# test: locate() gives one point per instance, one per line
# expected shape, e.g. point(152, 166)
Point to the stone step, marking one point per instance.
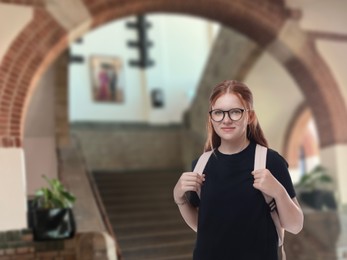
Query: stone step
point(160, 251)
point(148, 222)
point(122, 179)
point(144, 217)
point(143, 213)
point(144, 230)
point(132, 198)
point(159, 238)
point(166, 179)
point(136, 189)
point(122, 217)
point(126, 207)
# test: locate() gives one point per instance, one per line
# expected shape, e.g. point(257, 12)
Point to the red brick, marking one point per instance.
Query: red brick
point(22, 250)
point(47, 255)
point(9, 251)
point(18, 143)
point(25, 257)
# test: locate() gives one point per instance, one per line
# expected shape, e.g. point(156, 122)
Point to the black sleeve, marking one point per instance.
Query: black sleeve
point(278, 166)
point(192, 196)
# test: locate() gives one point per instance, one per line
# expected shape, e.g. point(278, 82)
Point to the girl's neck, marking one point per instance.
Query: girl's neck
point(233, 147)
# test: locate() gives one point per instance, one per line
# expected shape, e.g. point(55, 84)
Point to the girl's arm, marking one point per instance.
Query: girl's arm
point(289, 210)
point(189, 214)
point(189, 181)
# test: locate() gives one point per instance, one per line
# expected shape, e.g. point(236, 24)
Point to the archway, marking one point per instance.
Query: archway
point(262, 21)
point(266, 22)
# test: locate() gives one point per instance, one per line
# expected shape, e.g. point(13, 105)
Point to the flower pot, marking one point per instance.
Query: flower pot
point(53, 224)
point(318, 199)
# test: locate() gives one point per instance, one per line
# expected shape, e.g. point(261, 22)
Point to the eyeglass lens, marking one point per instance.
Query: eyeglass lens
point(234, 114)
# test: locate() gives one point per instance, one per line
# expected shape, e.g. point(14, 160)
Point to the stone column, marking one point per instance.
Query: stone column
point(334, 159)
point(13, 189)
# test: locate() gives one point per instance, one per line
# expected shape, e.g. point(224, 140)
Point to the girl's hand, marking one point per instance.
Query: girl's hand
point(266, 182)
point(189, 181)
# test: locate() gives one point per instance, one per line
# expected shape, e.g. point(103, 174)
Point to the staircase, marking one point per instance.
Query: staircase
point(144, 217)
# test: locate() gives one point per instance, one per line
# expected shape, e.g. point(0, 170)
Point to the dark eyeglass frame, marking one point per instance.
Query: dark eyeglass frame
point(242, 110)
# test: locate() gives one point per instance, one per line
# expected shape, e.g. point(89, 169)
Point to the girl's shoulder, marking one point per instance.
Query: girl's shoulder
point(274, 157)
point(278, 166)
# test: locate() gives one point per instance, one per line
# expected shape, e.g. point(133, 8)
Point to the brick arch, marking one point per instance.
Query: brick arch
point(34, 49)
point(262, 21)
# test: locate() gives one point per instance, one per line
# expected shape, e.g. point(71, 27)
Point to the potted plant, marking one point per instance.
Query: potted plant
point(315, 189)
point(52, 216)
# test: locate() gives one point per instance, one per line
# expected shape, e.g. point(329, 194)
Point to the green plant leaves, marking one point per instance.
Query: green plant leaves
point(315, 179)
point(55, 196)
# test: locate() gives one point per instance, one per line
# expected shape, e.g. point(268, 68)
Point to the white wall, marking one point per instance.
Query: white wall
point(13, 203)
point(39, 134)
point(276, 97)
point(17, 17)
point(322, 15)
point(181, 47)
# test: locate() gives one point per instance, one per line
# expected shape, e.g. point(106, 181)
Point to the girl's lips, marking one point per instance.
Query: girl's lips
point(228, 128)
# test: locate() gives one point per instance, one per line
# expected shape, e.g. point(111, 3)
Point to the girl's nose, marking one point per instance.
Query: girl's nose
point(227, 119)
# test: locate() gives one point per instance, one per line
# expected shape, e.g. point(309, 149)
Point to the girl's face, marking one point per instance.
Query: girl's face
point(227, 129)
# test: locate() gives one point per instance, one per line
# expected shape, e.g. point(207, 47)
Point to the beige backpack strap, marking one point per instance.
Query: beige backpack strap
point(203, 159)
point(260, 163)
point(260, 157)
point(200, 165)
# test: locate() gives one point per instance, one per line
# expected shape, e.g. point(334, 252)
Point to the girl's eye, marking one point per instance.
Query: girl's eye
point(235, 111)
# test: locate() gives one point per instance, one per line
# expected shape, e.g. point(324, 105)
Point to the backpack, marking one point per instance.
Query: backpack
point(259, 163)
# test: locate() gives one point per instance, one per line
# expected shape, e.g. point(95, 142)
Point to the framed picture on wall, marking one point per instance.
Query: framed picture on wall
point(107, 79)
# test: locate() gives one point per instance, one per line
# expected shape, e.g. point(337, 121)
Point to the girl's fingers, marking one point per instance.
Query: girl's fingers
point(190, 188)
point(198, 182)
point(191, 181)
point(193, 177)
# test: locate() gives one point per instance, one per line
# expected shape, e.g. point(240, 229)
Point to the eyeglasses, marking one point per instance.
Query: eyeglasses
point(235, 114)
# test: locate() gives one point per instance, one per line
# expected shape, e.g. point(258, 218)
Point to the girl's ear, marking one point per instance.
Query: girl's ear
point(251, 117)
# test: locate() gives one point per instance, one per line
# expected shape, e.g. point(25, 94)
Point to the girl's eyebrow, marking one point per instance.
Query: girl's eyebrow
point(227, 109)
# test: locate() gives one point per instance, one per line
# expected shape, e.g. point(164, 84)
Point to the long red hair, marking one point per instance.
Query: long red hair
point(254, 131)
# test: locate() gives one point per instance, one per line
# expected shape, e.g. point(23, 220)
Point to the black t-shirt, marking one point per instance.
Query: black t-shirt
point(234, 220)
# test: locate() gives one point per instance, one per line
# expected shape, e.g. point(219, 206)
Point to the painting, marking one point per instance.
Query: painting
point(107, 79)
